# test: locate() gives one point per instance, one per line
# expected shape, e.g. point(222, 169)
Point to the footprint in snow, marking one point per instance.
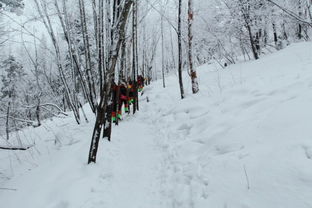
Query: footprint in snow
point(289, 99)
point(251, 103)
point(275, 92)
point(308, 152)
point(184, 126)
point(257, 93)
point(240, 91)
point(61, 204)
point(225, 149)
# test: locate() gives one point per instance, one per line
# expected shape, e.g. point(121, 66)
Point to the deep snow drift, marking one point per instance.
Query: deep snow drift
point(245, 141)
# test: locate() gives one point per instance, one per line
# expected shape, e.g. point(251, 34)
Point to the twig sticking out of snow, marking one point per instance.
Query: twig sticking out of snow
point(8, 189)
point(247, 179)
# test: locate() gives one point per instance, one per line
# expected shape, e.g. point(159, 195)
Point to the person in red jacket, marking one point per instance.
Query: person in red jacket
point(140, 83)
point(123, 99)
point(131, 92)
point(114, 105)
point(120, 98)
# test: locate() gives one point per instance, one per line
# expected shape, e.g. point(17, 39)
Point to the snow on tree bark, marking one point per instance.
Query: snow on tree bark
point(195, 87)
point(105, 98)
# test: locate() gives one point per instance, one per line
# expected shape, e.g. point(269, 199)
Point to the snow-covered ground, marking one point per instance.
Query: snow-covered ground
point(245, 141)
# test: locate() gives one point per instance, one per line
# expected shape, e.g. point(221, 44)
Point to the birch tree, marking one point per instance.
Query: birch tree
point(193, 74)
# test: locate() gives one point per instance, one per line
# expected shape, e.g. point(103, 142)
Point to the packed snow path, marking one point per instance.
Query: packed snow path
point(243, 142)
point(135, 167)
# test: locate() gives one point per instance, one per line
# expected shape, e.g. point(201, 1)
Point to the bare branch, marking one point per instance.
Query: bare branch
point(291, 13)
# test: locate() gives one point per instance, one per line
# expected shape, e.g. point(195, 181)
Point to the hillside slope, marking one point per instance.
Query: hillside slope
point(244, 141)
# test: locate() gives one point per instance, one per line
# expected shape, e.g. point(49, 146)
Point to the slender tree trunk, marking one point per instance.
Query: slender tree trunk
point(83, 112)
point(274, 33)
point(180, 50)
point(7, 126)
point(96, 135)
point(299, 30)
point(162, 52)
point(100, 30)
point(252, 43)
point(195, 87)
point(86, 42)
point(95, 23)
point(38, 111)
point(134, 54)
point(122, 72)
point(172, 51)
point(285, 36)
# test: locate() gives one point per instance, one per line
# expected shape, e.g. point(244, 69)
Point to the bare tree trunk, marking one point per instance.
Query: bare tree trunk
point(96, 134)
point(38, 111)
point(180, 50)
point(134, 55)
point(144, 74)
point(106, 92)
point(172, 51)
point(100, 30)
point(122, 73)
point(274, 33)
point(300, 26)
point(7, 126)
point(162, 52)
point(83, 112)
point(89, 72)
point(95, 23)
point(252, 42)
point(195, 87)
point(285, 36)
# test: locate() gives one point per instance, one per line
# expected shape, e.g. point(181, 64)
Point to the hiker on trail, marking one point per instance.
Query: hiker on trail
point(140, 83)
point(123, 97)
point(131, 92)
point(115, 92)
point(120, 98)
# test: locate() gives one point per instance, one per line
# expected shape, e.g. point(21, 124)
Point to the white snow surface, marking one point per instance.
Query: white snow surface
point(245, 141)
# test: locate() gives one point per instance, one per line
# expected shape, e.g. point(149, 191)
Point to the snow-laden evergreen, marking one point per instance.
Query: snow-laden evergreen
point(244, 141)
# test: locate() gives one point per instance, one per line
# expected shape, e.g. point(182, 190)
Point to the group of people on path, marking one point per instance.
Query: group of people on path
point(124, 95)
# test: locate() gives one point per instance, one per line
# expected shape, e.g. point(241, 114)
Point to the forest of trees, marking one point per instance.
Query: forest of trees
point(88, 45)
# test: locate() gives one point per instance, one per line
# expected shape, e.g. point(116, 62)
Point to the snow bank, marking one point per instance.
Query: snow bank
point(245, 139)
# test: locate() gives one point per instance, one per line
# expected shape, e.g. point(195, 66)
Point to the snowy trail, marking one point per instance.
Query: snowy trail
point(126, 174)
point(135, 168)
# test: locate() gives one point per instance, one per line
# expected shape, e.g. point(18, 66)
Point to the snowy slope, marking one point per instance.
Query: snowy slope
point(243, 142)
